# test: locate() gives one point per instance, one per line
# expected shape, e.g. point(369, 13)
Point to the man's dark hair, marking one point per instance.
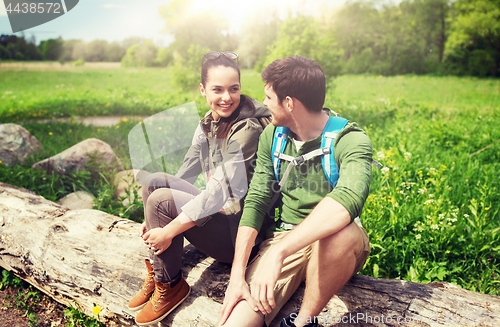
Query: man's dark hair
point(297, 77)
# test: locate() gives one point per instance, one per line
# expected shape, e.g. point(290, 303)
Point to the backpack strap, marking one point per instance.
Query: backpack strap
point(279, 143)
point(333, 127)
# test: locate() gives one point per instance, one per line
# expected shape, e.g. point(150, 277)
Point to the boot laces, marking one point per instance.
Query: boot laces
point(158, 295)
point(149, 280)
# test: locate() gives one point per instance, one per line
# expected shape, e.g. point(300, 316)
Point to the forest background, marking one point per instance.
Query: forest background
point(445, 37)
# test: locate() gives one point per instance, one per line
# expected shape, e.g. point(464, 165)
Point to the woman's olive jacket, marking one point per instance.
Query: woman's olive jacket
point(227, 164)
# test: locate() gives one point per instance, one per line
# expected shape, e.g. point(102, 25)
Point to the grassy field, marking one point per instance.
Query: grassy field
point(433, 211)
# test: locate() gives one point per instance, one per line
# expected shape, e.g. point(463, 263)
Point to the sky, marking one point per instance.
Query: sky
point(116, 20)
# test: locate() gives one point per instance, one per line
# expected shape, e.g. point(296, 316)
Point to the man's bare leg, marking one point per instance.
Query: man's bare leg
point(243, 316)
point(334, 255)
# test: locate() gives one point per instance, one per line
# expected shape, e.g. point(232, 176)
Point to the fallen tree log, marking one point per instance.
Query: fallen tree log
point(92, 258)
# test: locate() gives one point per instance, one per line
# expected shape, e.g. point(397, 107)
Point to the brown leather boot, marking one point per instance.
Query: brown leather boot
point(147, 289)
point(165, 299)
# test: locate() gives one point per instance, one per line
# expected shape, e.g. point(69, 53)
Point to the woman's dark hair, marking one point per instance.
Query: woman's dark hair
point(211, 63)
point(225, 124)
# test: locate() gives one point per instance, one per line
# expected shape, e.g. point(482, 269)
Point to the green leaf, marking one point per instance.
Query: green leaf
point(375, 270)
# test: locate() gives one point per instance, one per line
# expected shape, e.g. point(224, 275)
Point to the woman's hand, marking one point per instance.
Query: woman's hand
point(158, 240)
point(143, 229)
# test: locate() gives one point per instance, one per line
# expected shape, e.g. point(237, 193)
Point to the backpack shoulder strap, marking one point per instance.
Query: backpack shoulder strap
point(332, 128)
point(279, 143)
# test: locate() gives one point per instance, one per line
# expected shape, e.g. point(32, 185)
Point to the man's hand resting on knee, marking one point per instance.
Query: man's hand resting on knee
point(265, 280)
point(237, 290)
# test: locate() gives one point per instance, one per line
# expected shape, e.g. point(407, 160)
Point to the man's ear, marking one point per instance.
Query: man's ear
point(289, 103)
point(202, 90)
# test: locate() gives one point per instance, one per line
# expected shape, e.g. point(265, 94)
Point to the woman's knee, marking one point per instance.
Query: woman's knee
point(160, 207)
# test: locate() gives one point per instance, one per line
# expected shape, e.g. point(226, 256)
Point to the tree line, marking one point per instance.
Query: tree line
point(458, 37)
point(18, 48)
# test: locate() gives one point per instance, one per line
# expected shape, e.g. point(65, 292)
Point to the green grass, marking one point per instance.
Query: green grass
point(53, 94)
point(34, 304)
point(433, 211)
point(440, 91)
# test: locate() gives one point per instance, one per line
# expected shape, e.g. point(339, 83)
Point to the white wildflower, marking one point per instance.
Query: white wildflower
point(421, 191)
point(407, 155)
point(466, 215)
point(434, 226)
point(418, 236)
point(431, 195)
point(385, 170)
point(428, 202)
point(380, 155)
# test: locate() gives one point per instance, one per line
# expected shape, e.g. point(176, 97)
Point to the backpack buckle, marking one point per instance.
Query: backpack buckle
point(298, 161)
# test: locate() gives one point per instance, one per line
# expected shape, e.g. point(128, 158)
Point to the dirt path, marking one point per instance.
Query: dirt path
point(48, 312)
point(95, 121)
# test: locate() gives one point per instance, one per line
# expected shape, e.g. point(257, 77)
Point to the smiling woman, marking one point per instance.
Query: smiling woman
point(223, 149)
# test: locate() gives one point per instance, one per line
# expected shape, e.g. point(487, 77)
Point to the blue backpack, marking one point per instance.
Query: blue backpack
point(334, 125)
point(332, 128)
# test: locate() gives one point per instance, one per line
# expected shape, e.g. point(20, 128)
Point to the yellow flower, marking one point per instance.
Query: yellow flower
point(0, 161)
point(96, 310)
point(50, 133)
point(117, 126)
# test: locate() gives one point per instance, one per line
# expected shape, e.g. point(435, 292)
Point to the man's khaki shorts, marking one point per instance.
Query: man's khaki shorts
point(294, 268)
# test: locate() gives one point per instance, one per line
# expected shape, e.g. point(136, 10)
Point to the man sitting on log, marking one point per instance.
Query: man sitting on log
point(323, 165)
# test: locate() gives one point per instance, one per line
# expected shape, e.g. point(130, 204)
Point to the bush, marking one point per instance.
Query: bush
point(164, 57)
point(4, 53)
point(481, 63)
point(79, 62)
point(143, 55)
point(186, 69)
point(129, 59)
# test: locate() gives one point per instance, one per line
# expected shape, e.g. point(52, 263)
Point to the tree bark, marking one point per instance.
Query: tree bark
point(93, 258)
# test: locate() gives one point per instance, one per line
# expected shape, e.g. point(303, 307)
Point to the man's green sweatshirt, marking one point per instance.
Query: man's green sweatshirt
point(307, 184)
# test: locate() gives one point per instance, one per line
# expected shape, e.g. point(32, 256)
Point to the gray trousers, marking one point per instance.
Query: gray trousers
point(213, 238)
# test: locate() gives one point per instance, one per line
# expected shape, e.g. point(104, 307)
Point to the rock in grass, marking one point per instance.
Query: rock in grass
point(124, 181)
point(17, 144)
point(78, 200)
point(75, 158)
